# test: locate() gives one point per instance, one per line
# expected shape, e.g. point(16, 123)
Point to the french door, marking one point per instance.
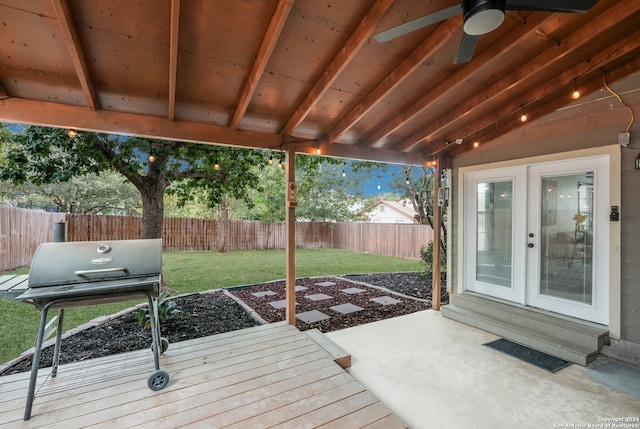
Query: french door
point(538, 235)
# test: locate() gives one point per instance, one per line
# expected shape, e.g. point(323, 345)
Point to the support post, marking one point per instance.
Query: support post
point(437, 215)
point(290, 249)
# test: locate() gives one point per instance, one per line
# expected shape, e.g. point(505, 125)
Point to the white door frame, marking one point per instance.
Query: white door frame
point(525, 272)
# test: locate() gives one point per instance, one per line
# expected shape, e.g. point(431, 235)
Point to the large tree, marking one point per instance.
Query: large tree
point(48, 155)
point(107, 193)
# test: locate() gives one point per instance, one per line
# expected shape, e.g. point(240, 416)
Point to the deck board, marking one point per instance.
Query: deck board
point(268, 376)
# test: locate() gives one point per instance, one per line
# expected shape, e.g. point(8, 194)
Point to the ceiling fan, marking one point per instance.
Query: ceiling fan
point(482, 17)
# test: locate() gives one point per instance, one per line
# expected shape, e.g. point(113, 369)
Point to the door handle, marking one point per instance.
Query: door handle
point(530, 245)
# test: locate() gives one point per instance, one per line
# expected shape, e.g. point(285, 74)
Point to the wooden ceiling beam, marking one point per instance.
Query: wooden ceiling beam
point(558, 84)
point(502, 46)
point(63, 13)
point(593, 82)
point(173, 56)
point(534, 68)
point(280, 15)
point(411, 62)
point(48, 114)
point(17, 110)
point(358, 38)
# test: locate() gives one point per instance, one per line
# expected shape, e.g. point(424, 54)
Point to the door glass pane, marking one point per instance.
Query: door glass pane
point(494, 221)
point(566, 252)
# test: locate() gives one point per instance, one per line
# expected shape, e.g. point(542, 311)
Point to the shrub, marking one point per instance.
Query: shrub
point(426, 254)
point(167, 310)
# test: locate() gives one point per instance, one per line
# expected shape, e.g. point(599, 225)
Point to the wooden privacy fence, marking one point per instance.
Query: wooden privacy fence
point(21, 231)
point(20, 237)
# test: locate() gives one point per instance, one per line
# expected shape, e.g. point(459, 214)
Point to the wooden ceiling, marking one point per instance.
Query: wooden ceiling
point(270, 73)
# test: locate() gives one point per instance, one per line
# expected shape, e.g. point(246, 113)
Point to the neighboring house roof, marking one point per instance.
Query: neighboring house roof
point(397, 212)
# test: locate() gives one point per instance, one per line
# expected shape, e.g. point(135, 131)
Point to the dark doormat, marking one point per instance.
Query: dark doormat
point(529, 355)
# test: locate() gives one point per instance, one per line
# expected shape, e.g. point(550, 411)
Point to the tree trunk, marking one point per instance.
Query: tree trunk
point(223, 224)
point(152, 212)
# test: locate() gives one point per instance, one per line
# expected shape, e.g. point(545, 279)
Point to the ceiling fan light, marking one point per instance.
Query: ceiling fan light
point(482, 17)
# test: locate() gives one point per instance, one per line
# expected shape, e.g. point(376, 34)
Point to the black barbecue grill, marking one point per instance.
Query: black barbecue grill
point(75, 274)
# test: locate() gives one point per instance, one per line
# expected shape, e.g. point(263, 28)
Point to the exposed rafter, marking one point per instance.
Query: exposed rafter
point(198, 71)
point(262, 58)
point(63, 13)
point(533, 69)
point(502, 47)
point(400, 73)
point(173, 56)
point(554, 93)
point(358, 38)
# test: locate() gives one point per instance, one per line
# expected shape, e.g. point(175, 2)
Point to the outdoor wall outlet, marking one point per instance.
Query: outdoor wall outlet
point(623, 139)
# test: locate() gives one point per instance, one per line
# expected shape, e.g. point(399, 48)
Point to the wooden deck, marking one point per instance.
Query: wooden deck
point(267, 376)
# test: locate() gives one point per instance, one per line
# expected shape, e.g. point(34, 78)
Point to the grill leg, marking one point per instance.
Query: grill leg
point(155, 331)
point(56, 350)
point(35, 363)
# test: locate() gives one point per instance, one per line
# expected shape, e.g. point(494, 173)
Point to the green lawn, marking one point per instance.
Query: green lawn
point(187, 272)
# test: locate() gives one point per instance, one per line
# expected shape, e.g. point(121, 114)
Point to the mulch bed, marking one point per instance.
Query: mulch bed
point(215, 312)
point(371, 311)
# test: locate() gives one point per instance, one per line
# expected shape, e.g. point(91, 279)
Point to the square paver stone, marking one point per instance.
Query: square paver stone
point(318, 297)
point(263, 293)
point(385, 300)
point(346, 308)
point(279, 304)
point(312, 316)
point(324, 284)
point(352, 290)
point(301, 288)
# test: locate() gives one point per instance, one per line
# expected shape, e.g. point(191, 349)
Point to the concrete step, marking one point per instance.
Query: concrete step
point(567, 338)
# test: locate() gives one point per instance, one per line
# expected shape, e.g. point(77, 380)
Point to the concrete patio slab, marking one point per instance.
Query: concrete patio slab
point(326, 284)
point(435, 372)
point(301, 288)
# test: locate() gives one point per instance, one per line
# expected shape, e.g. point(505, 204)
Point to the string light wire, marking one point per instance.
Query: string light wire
point(615, 94)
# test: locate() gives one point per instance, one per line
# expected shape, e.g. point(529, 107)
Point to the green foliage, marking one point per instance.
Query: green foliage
point(426, 254)
point(107, 193)
point(167, 310)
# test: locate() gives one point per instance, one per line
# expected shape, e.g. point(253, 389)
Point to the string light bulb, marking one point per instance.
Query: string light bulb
point(378, 185)
point(523, 116)
point(270, 162)
point(476, 144)
point(344, 173)
point(216, 165)
point(279, 163)
point(72, 133)
point(576, 92)
point(407, 181)
point(151, 157)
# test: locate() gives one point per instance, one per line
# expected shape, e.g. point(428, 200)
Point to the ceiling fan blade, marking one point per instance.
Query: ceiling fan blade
point(466, 48)
point(576, 6)
point(417, 24)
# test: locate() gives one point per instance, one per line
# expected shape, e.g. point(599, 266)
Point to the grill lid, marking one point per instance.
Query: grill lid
point(91, 261)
